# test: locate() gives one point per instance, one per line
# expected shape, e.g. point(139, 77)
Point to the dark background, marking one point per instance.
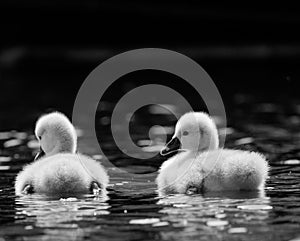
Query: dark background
point(47, 48)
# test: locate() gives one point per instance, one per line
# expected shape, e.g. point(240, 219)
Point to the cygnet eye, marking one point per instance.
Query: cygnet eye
point(40, 137)
point(185, 133)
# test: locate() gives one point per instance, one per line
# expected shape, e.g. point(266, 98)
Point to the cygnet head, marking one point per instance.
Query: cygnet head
point(194, 131)
point(56, 134)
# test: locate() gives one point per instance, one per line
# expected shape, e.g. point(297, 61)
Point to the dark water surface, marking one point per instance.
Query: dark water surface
point(132, 209)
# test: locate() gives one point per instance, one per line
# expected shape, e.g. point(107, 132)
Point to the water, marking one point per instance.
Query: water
point(132, 209)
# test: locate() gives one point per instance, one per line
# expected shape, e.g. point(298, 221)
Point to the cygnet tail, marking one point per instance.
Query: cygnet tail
point(254, 173)
point(64, 179)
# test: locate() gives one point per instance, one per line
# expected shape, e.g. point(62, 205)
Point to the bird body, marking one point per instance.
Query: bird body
point(61, 171)
point(202, 166)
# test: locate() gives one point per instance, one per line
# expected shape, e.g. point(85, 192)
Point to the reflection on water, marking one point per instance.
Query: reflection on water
point(132, 209)
point(58, 217)
point(212, 216)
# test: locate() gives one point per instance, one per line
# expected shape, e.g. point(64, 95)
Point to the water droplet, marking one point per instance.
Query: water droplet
point(255, 207)
point(226, 131)
point(237, 230)
point(216, 223)
point(101, 212)
point(20, 135)
point(220, 215)
point(12, 143)
point(144, 221)
point(243, 141)
point(5, 158)
point(160, 224)
point(69, 199)
point(161, 130)
point(291, 162)
point(267, 107)
point(144, 142)
point(155, 148)
point(182, 205)
point(5, 135)
point(33, 144)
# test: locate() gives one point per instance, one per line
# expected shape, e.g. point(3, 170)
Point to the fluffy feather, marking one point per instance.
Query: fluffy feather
point(61, 171)
point(205, 167)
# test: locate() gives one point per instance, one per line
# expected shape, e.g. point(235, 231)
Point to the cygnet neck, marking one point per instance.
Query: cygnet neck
point(64, 142)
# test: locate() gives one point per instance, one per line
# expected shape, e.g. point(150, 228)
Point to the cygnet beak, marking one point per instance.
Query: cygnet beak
point(173, 145)
point(40, 154)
